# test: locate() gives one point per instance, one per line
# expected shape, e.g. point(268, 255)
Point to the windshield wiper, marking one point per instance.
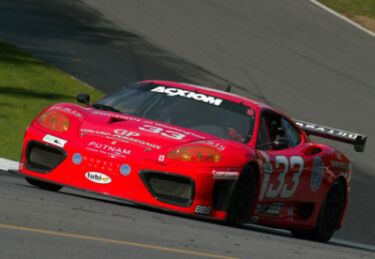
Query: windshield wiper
point(104, 107)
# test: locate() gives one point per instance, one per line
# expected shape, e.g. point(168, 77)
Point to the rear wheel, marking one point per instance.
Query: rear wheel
point(44, 185)
point(329, 216)
point(243, 197)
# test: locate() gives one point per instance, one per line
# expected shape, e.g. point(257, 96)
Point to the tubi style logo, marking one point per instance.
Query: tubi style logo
point(98, 177)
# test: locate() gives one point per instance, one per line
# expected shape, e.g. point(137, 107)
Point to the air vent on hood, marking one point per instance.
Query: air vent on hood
point(114, 120)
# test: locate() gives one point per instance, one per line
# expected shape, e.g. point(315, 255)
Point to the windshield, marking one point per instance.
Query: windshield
point(209, 114)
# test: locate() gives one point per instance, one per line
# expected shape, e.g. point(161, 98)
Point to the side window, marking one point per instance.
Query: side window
point(276, 133)
point(291, 133)
point(264, 140)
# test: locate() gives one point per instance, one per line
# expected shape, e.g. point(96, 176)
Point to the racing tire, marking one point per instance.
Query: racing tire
point(44, 185)
point(329, 216)
point(243, 197)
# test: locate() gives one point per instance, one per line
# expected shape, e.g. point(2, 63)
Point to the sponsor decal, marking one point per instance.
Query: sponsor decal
point(126, 133)
point(340, 165)
point(135, 141)
point(214, 144)
point(225, 174)
point(67, 110)
point(202, 210)
point(98, 178)
point(318, 128)
point(120, 137)
point(108, 149)
point(77, 158)
point(188, 94)
point(125, 170)
point(272, 209)
point(54, 140)
point(96, 132)
point(317, 173)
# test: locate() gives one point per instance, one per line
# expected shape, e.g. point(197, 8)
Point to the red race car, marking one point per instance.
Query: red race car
point(195, 150)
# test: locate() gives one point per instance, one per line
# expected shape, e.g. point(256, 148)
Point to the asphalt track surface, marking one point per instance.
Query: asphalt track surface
point(72, 224)
point(290, 54)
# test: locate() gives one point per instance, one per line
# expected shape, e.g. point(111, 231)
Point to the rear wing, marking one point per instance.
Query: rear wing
point(355, 139)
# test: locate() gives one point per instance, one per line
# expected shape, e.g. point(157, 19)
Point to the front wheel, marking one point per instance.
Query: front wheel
point(329, 216)
point(44, 185)
point(243, 197)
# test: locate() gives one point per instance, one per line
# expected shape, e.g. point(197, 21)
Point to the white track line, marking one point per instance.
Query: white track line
point(342, 17)
point(6, 164)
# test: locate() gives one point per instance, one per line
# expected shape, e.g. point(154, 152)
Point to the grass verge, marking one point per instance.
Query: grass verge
point(360, 11)
point(26, 86)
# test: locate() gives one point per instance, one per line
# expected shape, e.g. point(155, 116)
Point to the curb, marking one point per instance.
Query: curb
point(342, 17)
point(8, 165)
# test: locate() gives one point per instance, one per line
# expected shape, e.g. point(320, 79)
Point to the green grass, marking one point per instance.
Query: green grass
point(352, 7)
point(26, 86)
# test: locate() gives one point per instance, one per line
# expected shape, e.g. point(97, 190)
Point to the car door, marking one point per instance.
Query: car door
point(279, 143)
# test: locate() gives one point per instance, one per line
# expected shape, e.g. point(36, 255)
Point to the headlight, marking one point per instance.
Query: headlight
point(195, 153)
point(54, 120)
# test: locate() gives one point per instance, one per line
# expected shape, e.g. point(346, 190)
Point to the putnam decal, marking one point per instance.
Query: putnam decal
point(188, 94)
point(98, 178)
point(107, 149)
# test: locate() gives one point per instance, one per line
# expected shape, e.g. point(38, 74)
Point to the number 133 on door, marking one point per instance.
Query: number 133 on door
point(285, 168)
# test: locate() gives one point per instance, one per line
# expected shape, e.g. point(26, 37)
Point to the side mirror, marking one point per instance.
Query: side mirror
point(83, 98)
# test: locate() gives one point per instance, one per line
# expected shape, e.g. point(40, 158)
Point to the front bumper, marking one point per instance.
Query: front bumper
point(136, 178)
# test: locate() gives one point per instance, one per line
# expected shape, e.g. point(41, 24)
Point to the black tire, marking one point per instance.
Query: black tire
point(329, 215)
point(44, 185)
point(243, 197)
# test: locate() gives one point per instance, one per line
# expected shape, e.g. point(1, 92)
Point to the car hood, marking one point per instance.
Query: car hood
point(137, 131)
